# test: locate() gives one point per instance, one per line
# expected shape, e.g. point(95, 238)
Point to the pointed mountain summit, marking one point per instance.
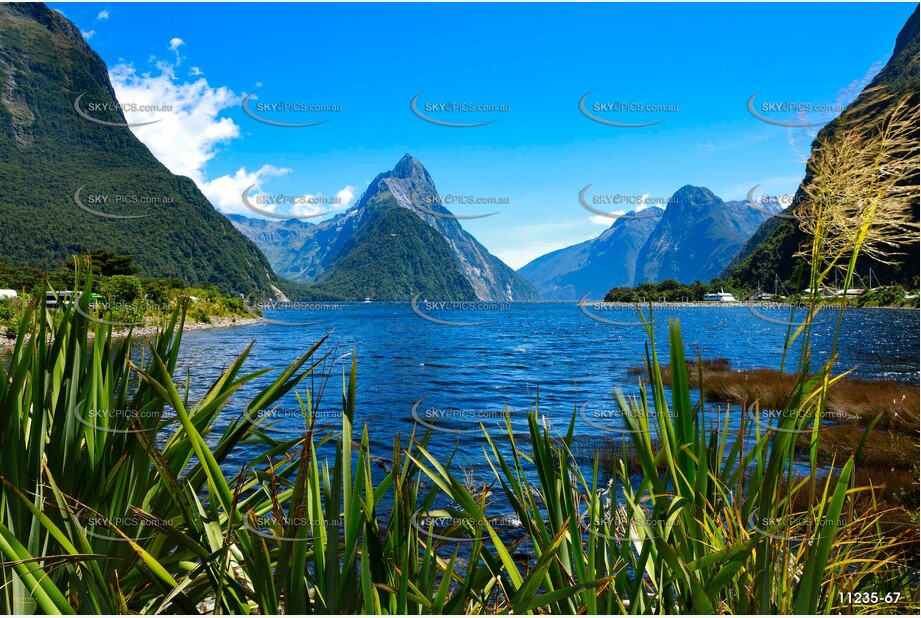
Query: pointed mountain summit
point(330, 252)
point(412, 188)
point(696, 237)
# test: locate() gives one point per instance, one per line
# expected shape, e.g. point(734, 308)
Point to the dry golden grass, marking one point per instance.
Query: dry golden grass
point(882, 450)
point(849, 399)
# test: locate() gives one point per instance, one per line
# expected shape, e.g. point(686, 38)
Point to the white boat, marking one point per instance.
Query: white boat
point(367, 300)
point(719, 297)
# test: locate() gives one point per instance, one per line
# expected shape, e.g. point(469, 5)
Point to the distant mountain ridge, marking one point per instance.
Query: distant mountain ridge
point(314, 253)
point(691, 240)
point(594, 266)
point(48, 152)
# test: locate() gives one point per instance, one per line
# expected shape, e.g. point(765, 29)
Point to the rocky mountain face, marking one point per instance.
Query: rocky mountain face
point(594, 266)
point(770, 252)
point(394, 255)
point(317, 250)
point(49, 154)
point(697, 236)
point(275, 238)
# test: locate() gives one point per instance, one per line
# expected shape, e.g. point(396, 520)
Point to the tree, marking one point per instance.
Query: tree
point(107, 263)
point(122, 288)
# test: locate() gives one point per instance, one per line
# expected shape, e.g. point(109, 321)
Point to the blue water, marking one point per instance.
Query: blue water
point(468, 374)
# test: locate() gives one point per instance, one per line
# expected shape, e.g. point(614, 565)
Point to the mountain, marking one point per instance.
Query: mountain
point(394, 255)
point(314, 252)
point(48, 152)
point(596, 265)
point(692, 240)
point(770, 252)
point(276, 239)
point(696, 237)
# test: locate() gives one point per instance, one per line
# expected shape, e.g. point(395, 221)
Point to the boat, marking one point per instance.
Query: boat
point(367, 300)
point(719, 297)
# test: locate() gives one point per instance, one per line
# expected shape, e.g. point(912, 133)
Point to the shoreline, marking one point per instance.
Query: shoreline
point(150, 330)
point(191, 327)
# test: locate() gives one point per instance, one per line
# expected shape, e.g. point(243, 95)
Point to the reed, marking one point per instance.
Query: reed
point(141, 512)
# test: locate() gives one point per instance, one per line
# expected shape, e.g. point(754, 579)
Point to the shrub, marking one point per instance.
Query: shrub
point(122, 288)
point(7, 310)
point(157, 291)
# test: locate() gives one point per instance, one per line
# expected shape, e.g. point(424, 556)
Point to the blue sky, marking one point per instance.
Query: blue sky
point(706, 60)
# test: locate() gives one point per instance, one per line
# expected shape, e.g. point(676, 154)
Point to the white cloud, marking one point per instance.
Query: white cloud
point(344, 200)
point(644, 203)
point(195, 71)
point(87, 34)
point(192, 132)
point(346, 194)
point(174, 44)
point(187, 136)
point(103, 14)
point(225, 192)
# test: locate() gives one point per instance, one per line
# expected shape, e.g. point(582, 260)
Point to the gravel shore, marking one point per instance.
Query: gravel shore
point(149, 331)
